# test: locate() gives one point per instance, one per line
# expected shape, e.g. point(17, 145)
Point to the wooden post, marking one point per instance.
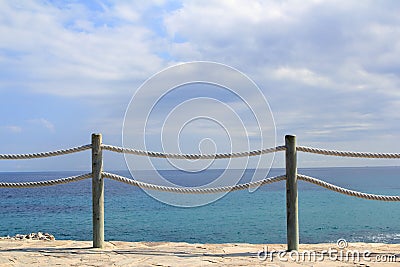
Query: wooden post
point(97, 192)
point(291, 193)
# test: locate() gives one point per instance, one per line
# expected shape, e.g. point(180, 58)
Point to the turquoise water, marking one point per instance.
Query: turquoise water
point(258, 217)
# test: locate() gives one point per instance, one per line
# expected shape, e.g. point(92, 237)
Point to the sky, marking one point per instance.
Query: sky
point(330, 71)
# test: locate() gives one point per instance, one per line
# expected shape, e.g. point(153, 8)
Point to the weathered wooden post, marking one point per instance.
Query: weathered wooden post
point(97, 192)
point(291, 194)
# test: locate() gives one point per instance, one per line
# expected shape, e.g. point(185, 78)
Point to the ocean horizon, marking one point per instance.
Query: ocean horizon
point(239, 217)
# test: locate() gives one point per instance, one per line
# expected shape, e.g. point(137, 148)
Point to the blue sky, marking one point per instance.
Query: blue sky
point(330, 70)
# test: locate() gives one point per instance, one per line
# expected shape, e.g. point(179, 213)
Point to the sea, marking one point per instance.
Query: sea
point(239, 217)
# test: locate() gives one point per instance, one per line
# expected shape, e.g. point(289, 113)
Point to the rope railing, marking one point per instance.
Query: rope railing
point(213, 190)
point(46, 154)
point(346, 191)
point(46, 182)
point(192, 156)
point(194, 190)
point(154, 154)
point(291, 178)
point(348, 153)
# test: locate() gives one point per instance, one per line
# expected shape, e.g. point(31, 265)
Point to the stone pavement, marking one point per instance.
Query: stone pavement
point(117, 253)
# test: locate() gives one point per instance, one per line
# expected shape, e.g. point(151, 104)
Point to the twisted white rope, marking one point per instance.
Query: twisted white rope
point(348, 153)
point(192, 156)
point(347, 191)
point(46, 183)
point(46, 154)
point(188, 190)
point(202, 156)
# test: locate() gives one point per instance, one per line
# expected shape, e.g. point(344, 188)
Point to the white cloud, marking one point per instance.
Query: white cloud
point(13, 128)
point(314, 35)
point(44, 123)
point(301, 75)
point(63, 52)
point(127, 13)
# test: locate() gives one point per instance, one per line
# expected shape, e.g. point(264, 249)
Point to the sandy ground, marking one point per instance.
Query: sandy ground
point(117, 253)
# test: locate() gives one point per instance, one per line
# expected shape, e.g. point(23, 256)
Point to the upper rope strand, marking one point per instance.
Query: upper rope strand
point(192, 156)
point(46, 154)
point(203, 156)
point(348, 153)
